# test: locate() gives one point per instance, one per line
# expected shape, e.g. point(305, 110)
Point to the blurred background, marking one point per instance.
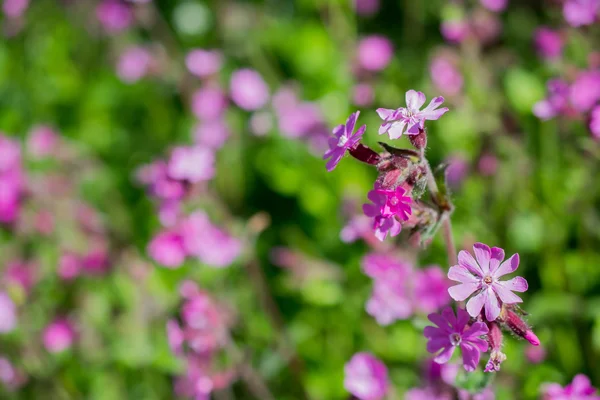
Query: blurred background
point(167, 225)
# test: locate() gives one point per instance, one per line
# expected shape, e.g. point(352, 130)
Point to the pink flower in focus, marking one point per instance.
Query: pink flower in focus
point(167, 249)
point(42, 141)
point(193, 164)
point(212, 134)
point(594, 124)
point(209, 102)
point(382, 223)
point(581, 12)
point(58, 336)
point(482, 277)
point(366, 377)
point(344, 139)
point(204, 63)
point(579, 389)
point(548, 43)
point(556, 102)
point(14, 8)
point(431, 289)
point(396, 203)
point(494, 5)
point(114, 16)
point(445, 76)
point(453, 331)
point(248, 89)
point(374, 52)
point(69, 266)
point(8, 313)
point(584, 93)
point(366, 8)
point(134, 64)
point(411, 118)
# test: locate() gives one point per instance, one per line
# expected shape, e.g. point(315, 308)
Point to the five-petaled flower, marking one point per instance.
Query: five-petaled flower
point(387, 205)
point(344, 139)
point(452, 332)
point(411, 117)
point(481, 277)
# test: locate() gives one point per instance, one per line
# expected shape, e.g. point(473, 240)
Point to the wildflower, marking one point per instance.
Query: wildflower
point(494, 5)
point(69, 266)
point(481, 277)
point(58, 336)
point(134, 64)
point(431, 289)
point(344, 139)
point(455, 30)
point(581, 12)
point(453, 331)
point(445, 75)
point(8, 313)
point(167, 249)
point(584, 92)
point(175, 337)
point(366, 377)
point(204, 63)
point(556, 101)
point(396, 203)
point(580, 388)
point(14, 8)
point(383, 221)
point(374, 52)
point(193, 164)
point(594, 124)
point(411, 118)
point(212, 134)
point(42, 141)
point(248, 89)
point(114, 16)
point(209, 102)
point(548, 43)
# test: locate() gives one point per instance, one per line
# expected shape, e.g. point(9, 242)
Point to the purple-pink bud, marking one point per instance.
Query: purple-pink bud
point(532, 338)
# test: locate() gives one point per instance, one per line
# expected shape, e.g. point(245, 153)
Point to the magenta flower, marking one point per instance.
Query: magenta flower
point(14, 8)
point(594, 124)
point(193, 164)
point(248, 89)
point(42, 141)
point(481, 277)
point(69, 266)
point(344, 139)
point(374, 52)
point(548, 43)
point(58, 336)
point(363, 94)
point(175, 337)
point(204, 63)
point(494, 5)
point(445, 75)
point(580, 388)
point(114, 16)
point(411, 118)
point(366, 377)
point(581, 12)
point(167, 249)
point(452, 332)
point(556, 102)
point(209, 102)
point(455, 30)
point(584, 93)
point(8, 313)
point(383, 221)
point(134, 64)
point(431, 289)
point(212, 134)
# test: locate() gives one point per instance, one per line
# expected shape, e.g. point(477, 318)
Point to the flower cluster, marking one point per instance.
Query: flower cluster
point(580, 388)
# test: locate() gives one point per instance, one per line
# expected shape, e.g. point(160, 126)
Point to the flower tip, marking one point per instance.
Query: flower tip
point(532, 338)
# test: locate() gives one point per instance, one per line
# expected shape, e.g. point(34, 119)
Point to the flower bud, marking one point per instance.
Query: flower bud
point(419, 140)
point(516, 324)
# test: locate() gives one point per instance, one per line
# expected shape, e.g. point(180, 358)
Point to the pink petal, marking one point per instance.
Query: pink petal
point(476, 330)
point(463, 291)
point(470, 355)
point(414, 100)
point(370, 210)
point(476, 303)
point(414, 128)
point(492, 305)
point(496, 259)
point(351, 122)
point(384, 113)
point(449, 316)
point(385, 127)
point(462, 318)
point(396, 129)
point(433, 115)
point(506, 295)
point(466, 260)
point(445, 355)
point(335, 159)
point(507, 266)
point(439, 321)
point(338, 131)
point(479, 343)
point(483, 254)
point(433, 104)
point(459, 273)
point(435, 345)
point(516, 284)
point(432, 332)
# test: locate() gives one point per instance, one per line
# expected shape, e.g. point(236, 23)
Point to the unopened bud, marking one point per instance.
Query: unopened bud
point(419, 140)
point(516, 324)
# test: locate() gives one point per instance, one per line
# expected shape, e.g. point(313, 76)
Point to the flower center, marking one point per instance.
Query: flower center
point(488, 280)
point(455, 339)
point(342, 141)
point(394, 200)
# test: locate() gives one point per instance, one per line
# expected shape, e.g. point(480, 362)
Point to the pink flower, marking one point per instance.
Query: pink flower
point(248, 89)
point(134, 64)
point(167, 249)
point(383, 221)
point(114, 16)
point(494, 5)
point(455, 30)
point(431, 289)
point(366, 8)
point(396, 204)
point(261, 123)
point(209, 102)
point(175, 337)
point(584, 93)
point(193, 164)
point(458, 169)
point(374, 52)
point(42, 141)
point(96, 262)
point(212, 134)
point(581, 12)
point(445, 76)
point(366, 377)
point(69, 266)
point(548, 43)
point(556, 102)
point(410, 118)
point(14, 8)
point(8, 313)
point(58, 336)
point(20, 274)
point(535, 354)
point(452, 332)
point(344, 139)
point(11, 154)
point(204, 63)
point(482, 276)
point(594, 124)
point(580, 388)
point(363, 95)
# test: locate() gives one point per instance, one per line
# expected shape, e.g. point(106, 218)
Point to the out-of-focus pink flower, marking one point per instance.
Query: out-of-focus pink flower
point(366, 8)
point(458, 168)
point(555, 103)
point(584, 93)
point(44, 223)
point(261, 123)
point(166, 248)
point(58, 336)
point(204, 63)
point(357, 227)
point(156, 177)
point(194, 164)
point(248, 89)
point(10, 192)
point(431, 289)
point(411, 118)
point(96, 262)
point(366, 377)
point(482, 277)
point(42, 141)
point(494, 5)
point(344, 139)
point(169, 212)
point(14, 8)
point(134, 63)
point(363, 95)
point(488, 164)
point(212, 134)
point(455, 30)
point(175, 337)
point(581, 12)
point(212, 245)
point(114, 16)
point(374, 52)
point(8, 313)
point(548, 43)
point(11, 154)
point(580, 388)
point(20, 274)
point(69, 266)
point(7, 371)
point(594, 124)
point(453, 331)
point(486, 26)
point(535, 354)
point(445, 75)
point(209, 102)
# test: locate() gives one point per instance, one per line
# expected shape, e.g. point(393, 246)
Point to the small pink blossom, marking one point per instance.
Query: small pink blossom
point(134, 63)
point(212, 134)
point(96, 262)
point(455, 30)
point(453, 331)
point(594, 124)
point(374, 52)
point(431, 289)
point(382, 224)
point(69, 266)
point(209, 102)
point(167, 249)
point(193, 164)
point(548, 43)
point(14, 8)
point(114, 16)
point(580, 388)
point(584, 92)
point(581, 12)
point(411, 118)
point(175, 337)
point(344, 139)
point(21, 274)
point(445, 75)
point(248, 89)
point(8, 313)
point(204, 63)
point(58, 336)
point(366, 377)
point(42, 141)
point(481, 276)
point(555, 103)
point(363, 95)
point(494, 5)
